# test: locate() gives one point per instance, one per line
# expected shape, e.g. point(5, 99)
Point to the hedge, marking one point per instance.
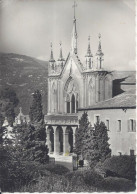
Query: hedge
point(119, 166)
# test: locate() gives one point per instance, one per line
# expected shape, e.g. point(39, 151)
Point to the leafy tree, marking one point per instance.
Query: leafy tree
point(80, 139)
point(35, 135)
point(96, 143)
point(35, 113)
point(8, 102)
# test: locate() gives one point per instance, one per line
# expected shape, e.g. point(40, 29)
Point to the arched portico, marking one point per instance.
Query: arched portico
point(60, 139)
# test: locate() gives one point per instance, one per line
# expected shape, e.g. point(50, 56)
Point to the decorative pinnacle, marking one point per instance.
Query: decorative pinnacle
point(99, 52)
point(89, 54)
point(51, 55)
point(61, 56)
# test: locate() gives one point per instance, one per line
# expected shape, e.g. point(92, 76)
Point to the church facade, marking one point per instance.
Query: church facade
point(74, 87)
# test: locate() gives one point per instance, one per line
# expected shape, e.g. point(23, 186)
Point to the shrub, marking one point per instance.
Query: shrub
point(114, 184)
point(91, 178)
point(119, 166)
point(57, 169)
point(77, 183)
point(52, 183)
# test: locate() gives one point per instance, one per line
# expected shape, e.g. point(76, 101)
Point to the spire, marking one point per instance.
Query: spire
point(89, 54)
point(60, 56)
point(51, 55)
point(74, 32)
point(99, 54)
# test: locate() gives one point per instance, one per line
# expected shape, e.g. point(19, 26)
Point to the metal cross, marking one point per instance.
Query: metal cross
point(51, 45)
point(99, 36)
point(75, 5)
point(60, 43)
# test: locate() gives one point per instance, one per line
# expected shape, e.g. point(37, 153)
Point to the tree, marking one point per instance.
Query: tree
point(8, 103)
point(83, 125)
point(96, 143)
point(35, 113)
point(35, 137)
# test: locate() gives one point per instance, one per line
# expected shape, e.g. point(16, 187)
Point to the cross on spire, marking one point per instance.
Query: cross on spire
point(51, 45)
point(74, 6)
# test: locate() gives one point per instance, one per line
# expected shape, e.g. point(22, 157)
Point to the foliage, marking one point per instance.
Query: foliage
point(114, 184)
point(96, 144)
point(83, 125)
point(120, 166)
point(35, 113)
point(8, 102)
point(57, 169)
point(91, 181)
point(30, 141)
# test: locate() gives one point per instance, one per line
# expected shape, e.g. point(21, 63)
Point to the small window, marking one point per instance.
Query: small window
point(131, 125)
point(119, 125)
point(97, 119)
point(131, 152)
point(107, 124)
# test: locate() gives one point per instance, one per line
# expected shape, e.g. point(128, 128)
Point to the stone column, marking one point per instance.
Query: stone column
point(49, 96)
point(48, 142)
point(56, 141)
point(70, 106)
point(66, 146)
point(97, 89)
point(74, 132)
point(58, 96)
point(65, 105)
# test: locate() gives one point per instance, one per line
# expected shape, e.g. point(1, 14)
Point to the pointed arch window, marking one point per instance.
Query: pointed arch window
point(77, 103)
point(73, 103)
point(68, 103)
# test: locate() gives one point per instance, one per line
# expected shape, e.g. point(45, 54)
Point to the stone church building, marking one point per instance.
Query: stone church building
point(75, 87)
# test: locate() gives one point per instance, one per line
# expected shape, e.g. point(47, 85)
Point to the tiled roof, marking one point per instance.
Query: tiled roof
point(125, 76)
point(124, 100)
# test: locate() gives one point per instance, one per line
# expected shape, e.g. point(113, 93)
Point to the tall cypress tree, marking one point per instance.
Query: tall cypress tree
point(96, 143)
point(83, 125)
point(35, 138)
point(35, 112)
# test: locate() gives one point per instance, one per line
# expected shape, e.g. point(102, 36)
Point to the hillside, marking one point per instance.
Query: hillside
point(24, 74)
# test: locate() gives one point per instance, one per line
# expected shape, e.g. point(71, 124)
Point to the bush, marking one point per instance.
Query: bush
point(91, 181)
point(57, 169)
point(114, 184)
point(52, 183)
point(119, 166)
point(91, 178)
point(77, 183)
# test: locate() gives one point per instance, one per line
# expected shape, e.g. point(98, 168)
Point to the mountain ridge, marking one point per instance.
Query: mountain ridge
point(25, 75)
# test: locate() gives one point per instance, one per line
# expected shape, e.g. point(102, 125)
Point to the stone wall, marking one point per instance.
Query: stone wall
point(120, 141)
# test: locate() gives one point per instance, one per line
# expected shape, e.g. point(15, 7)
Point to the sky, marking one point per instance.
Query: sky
point(29, 26)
